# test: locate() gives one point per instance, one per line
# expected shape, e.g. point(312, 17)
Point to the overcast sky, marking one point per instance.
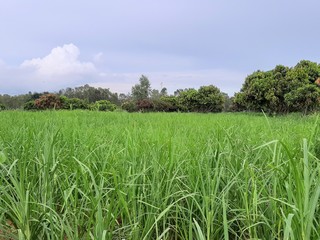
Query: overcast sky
point(48, 45)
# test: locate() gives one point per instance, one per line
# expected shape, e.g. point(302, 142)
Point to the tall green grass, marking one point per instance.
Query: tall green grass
point(93, 175)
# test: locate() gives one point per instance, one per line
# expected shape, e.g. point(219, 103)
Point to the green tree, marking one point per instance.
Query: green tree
point(2, 107)
point(30, 106)
point(142, 90)
point(279, 90)
point(129, 106)
point(104, 105)
point(254, 91)
point(210, 99)
point(304, 99)
point(312, 69)
point(188, 100)
point(90, 94)
point(73, 103)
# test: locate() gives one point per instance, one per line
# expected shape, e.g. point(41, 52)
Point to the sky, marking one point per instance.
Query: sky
point(49, 45)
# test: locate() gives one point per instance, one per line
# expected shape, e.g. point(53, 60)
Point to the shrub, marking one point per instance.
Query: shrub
point(48, 101)
point(73, 103)
point(104, 105)
point(145, 105)
point(129, 106)
point(2, 107)
point(30, 105)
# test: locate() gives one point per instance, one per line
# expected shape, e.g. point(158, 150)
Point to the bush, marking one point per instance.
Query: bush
point(30, 105)
point(170, 103)
point(48, 101)
point(104, 105)
point(145, 105)
point(73, 103)
point(2, 107)
point(129, 106)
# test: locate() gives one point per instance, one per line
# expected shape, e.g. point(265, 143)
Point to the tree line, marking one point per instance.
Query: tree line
point(281, 90)
point(277, 91)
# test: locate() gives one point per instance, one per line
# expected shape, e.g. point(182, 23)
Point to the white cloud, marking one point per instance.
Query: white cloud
point(62, 68)
point(98, 57)
point(61, 61)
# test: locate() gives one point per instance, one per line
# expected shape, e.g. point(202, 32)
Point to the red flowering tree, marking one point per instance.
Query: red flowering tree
point(48, 101)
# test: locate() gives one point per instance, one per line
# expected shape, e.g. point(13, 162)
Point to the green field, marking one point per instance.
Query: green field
point(95, 175)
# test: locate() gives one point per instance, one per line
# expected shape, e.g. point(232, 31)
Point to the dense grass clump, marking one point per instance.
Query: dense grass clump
point(95, 175)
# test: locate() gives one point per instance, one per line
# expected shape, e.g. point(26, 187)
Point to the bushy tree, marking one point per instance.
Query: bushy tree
point(188, 100)
point(30, 106)
point(90, 94)
point(145, 105)
point(48, 101)
point(312, 69)
point(304, 99)
point(142, 90)
point(168, 104)
point(275, 91)
point(206, 99)
point(2, 107)
point(129, 106)
point(210, 99)
point(104, 105)
point(73, 103)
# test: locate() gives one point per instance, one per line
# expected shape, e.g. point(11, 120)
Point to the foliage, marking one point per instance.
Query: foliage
point(145, 105)
point(2, 107)
point(30, 105)
point(142, 90)
point(278, 90)
point(210, 99)
point(206, 99)
point(14, 102)
point(73, 103)
point(48, 101)
point(312, 70)
point(156, 95)
point(104, 105)
point(90, 94)
point(188, 100)
point(304, 99)
point(129, 106)
point(167, 104)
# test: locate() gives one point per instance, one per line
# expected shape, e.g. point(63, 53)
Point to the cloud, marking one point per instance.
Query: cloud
point(60, 62)
point(98, 57)
point(59, 69)
point(63, 68)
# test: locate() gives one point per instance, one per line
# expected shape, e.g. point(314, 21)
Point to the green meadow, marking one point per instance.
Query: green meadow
point(115, 175)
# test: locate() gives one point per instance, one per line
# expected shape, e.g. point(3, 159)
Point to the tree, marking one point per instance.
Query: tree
point(188, 100)
point(167, 104)
point(73, 103)
point(48, 101)
point(104, 105)
point(304, 99)
point(312, 69)
point(210, 99)
point(30, 106)
point(145, 105)
point(2, 107)
point(279, 90)
point(206, 99)
point(142, 90)
point(129, 106)
point(90, 94)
